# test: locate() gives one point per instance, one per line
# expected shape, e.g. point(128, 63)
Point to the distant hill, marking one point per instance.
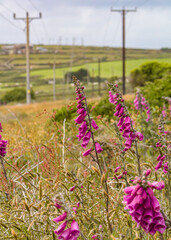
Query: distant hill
point(67, 58)
point(42, 56)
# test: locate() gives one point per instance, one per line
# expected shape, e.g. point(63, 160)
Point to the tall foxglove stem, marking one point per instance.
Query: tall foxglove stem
point(92, 134)
point(84, 112)
point(122, 113)
point(97, 160)
point(4, 170)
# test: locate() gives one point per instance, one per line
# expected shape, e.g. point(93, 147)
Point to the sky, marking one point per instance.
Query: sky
point(88, 22)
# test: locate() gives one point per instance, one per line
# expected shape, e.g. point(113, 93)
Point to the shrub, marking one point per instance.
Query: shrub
point(80, 74)
point(148, 72)
point(105, 109)
point(154, 91)
point(64, 113)
point(15, 95)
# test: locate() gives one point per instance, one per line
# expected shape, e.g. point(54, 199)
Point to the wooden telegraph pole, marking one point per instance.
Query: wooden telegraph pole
point(123, 12)
point(27, 20)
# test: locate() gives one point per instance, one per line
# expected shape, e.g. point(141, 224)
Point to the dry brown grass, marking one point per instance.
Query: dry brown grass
point(30, 120)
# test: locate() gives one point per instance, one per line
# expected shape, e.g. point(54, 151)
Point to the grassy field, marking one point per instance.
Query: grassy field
point(108, 69)
point(12, 67)
point(30, 120)
point(78, 54)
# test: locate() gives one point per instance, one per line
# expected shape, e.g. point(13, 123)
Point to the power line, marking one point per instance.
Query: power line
point(106, 29)
point(35, 32)
point(45, 30)
point(123, 12)
point(6, 8)
point(116, 1)
point(42, 21)
point(130, 23)
point(115, 31)
point(129, 2)
point(34, 6)
point(143, 3)
point(10, 21)
point(21, 6)
point(27, 20)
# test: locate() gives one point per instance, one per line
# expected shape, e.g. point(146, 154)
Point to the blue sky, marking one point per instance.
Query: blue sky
point(90, 20)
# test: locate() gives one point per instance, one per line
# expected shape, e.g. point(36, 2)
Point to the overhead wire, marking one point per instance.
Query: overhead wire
point(115, 32)
point(11, 12)
point(140, 5)
point(10, 21)
point(106, 28)
point(35, 32)
point(115, 3)
point(129, 25)
point(42, 21)
point(33, 5)
point(130, 22)
point(108, 21)
point(20, 6)
point(45, 30)
point(7, 8)
point(128, 3)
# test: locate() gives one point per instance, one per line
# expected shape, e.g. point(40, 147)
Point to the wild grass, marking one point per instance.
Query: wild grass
point(41, 167)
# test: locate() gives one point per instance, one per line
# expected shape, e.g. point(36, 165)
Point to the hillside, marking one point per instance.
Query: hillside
point(67, 58)
point(42, 56)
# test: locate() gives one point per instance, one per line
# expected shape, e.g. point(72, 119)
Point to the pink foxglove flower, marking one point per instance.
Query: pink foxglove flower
point(141, 104)
point(61, 228)
point(120, 176)
point(74, 209)
point(165, 167)
point(160, 163)
point(60, 218)
point(81, 118)
point(139, 136)
point(158, 144)
point(94, 125)
point(163, 157)
point(78, 204)
point(98, 147)
point(65, 235)
point(125, 122)
point(147, 172)
point(86, 153)
point(164, 114)
point(159, 157)
point(87, 125)
point(144, 207)
point(75, 232)
point(3, 144)
point(57, 205)
point(82, 130)
point(158, 166)
point(86, 139)
point(116, 169)
point(72, 189)
point(157, 185)
point(95, 237)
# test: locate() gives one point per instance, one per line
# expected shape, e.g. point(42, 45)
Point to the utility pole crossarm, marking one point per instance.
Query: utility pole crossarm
point(27, 20)
point(30, 18)
point(123, 12)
